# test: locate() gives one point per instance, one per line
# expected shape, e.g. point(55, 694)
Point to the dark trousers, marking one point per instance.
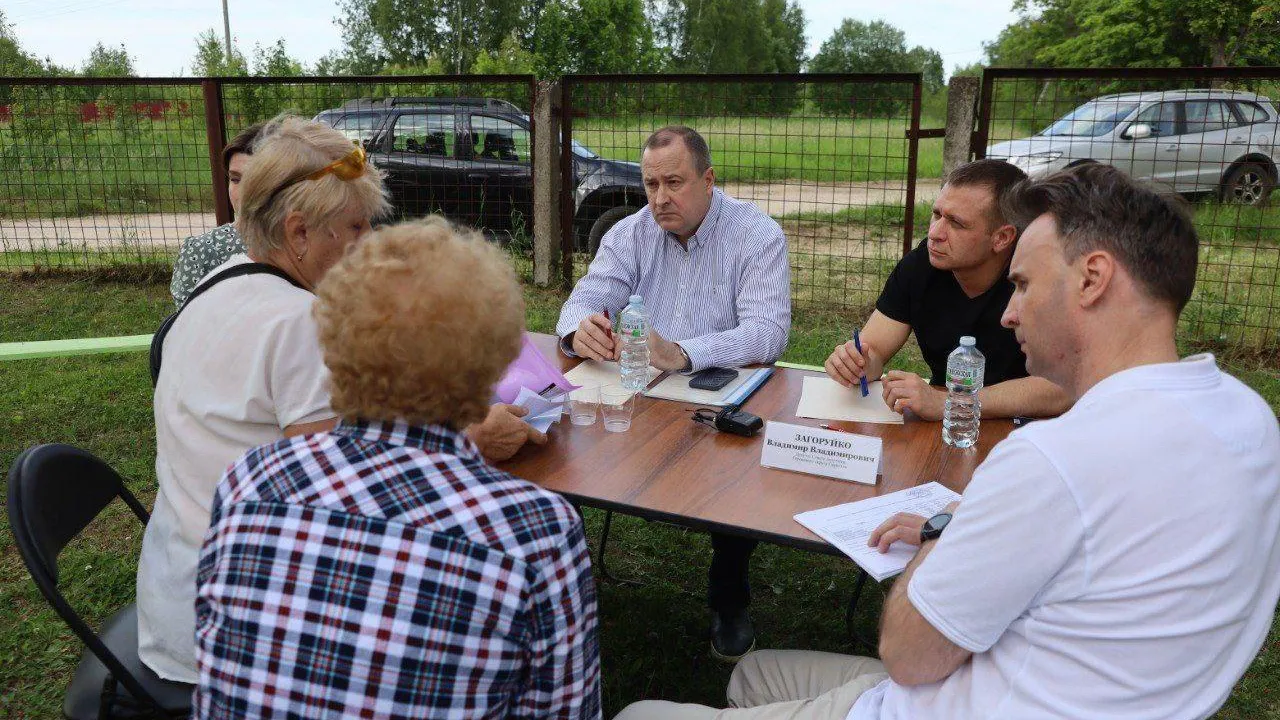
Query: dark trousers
point(728, 590)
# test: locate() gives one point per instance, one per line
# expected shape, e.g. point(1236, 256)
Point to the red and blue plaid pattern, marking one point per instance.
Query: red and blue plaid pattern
point(386, 571)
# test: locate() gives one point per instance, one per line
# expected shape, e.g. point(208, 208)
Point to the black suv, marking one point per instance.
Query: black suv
point(469, 159)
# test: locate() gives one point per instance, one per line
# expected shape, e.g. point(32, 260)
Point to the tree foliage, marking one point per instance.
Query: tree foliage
point(106, 61)
point(873, 47)
point(211, 58)
point(14, 60)
point(1139, 33)
point(412, 32)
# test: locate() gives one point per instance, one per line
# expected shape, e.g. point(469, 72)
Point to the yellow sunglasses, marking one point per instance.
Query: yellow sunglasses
point(346, 168)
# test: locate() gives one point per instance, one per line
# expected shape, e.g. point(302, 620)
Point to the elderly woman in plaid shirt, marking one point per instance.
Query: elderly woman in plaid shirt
point(384, 569)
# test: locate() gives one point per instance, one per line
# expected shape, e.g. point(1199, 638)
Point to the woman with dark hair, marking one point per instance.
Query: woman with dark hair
point(202, 253)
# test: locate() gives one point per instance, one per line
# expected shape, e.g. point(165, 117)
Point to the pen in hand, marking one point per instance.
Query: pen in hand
point(857, 343)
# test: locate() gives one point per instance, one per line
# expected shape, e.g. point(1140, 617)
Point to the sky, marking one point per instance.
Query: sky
point(160, 34)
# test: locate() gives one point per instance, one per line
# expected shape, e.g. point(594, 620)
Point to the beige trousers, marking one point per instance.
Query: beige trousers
point(778, 684)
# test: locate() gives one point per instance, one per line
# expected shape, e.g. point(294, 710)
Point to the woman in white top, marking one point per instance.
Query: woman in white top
point(241, 365)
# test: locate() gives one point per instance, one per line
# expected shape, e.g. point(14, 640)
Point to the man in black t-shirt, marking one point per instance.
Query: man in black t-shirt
point(955, 283)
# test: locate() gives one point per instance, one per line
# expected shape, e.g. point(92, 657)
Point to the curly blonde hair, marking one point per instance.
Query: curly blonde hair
point(418, 322)
point(289, 147)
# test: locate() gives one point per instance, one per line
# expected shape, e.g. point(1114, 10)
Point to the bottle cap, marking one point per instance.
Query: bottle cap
point(966, 341)
point(637, 300)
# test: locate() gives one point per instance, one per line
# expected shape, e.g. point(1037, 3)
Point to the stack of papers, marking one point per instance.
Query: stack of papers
point(542, 411)
point(848, 526)
point(825, 399)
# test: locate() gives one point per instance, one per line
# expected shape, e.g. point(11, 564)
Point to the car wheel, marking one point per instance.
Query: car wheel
point(607, 219)
point(1247, 184)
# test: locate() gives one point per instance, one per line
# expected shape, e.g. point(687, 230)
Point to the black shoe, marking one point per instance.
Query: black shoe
point(732, 635)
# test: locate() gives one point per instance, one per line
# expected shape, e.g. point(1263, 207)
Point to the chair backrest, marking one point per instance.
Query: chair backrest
point(55, 491)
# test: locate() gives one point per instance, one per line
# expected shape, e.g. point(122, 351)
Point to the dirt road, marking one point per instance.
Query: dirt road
point(158, 232)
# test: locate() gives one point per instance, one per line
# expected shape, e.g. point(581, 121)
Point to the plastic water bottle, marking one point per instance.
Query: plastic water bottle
point(633, 331)
point(963, 411)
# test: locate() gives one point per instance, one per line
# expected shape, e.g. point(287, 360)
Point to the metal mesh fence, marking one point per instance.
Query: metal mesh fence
point(1209, 136)
point(830, 158)
point(99, 173)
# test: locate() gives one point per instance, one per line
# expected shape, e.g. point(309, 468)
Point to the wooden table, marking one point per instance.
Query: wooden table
point(669, 468)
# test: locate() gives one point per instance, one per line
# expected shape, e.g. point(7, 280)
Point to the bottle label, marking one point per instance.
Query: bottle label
point(966, 377)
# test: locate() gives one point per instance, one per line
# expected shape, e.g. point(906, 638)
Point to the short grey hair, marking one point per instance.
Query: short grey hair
point(693, 142)
point(287, 148)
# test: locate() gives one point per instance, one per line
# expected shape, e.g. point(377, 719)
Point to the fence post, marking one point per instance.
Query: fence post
point(216, 134)
point(962, 104)
point(546, 183)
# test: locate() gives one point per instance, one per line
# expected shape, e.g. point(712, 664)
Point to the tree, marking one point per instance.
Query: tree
point(407, 32)
point(106, 61)
point(1139, 33)
point(274, 61)
point(15, 61)
point(211, 59)
point(592, 36)
point(508, 59)
point(874, 47)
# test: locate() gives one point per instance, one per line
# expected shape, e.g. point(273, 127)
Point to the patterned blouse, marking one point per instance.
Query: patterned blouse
point(199, 255)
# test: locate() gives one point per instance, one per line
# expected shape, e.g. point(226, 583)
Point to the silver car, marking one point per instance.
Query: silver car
point(1183, 141)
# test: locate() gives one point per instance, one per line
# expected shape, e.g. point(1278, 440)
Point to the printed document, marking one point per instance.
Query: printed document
point(848, 526)
point(825, 399)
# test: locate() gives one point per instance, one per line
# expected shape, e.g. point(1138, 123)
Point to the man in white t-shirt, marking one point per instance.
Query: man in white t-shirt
point(1121, 561)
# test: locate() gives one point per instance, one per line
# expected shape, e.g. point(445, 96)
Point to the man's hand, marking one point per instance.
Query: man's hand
point(908, 391)
point(664, 354)
point(594, 339)
point(902, 526)
point(502, 432)
point(847, 366)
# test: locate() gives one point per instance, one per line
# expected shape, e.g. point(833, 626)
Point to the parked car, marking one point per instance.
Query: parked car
point(1185, 141)
point(470, 160)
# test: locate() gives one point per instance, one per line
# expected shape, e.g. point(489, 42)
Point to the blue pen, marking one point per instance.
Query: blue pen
point(858, 344)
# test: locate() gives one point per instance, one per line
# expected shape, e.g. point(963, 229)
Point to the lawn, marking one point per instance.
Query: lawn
point(653, 635)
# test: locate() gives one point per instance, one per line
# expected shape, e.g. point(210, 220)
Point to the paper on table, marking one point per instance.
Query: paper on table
point(542, 412)
point(848, 526)
point(605, 374)
point(825, 399)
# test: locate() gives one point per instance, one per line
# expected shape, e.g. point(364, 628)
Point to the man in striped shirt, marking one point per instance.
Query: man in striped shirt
point(714, 275)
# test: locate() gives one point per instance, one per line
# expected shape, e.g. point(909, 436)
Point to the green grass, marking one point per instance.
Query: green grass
point(759, 149)
point(653, 636)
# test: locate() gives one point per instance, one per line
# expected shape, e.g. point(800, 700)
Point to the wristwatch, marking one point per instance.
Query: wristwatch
point(933, 527)
point(688, 364)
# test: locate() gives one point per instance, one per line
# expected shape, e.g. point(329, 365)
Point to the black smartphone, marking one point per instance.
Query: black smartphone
point(712, 378)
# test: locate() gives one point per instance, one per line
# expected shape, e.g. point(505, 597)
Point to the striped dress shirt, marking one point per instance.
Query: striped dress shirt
point(726, 299)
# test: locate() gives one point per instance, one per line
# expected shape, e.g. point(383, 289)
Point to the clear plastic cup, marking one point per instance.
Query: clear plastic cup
point(616, 405)
point(582, 404)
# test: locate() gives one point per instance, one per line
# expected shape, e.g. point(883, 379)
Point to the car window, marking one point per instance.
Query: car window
point(1094, 118)
point(1250, 112)
point(499, 139)
point(424, 134)
point(1206, 116)
point(1162, 117)
point(357, 127)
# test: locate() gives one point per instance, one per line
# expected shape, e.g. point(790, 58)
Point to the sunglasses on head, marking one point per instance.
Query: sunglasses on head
point(346, 168)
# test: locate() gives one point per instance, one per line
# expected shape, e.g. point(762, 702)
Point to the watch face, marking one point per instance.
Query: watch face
point(932, 527)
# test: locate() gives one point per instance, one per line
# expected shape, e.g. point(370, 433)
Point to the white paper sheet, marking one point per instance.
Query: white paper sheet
point(604, 374)
point(542, 412)
point(825, 399)
point(848, 526)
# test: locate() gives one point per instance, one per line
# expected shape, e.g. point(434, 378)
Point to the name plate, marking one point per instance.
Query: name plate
point(830, 453)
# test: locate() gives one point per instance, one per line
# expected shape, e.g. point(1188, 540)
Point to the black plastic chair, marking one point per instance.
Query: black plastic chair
point(55, 491)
